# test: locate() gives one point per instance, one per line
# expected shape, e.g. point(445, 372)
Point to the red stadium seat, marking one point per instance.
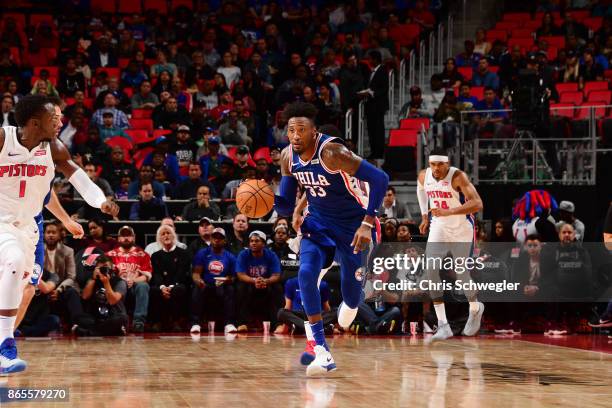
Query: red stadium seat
point(123, 63)
point(562, 109)
point(125, 145)
point(403, 137)
point(595, 86)
point(518, 17)
point(493, 35)
point(521, 33)
point(19, 18)
point(104, 6)
point(579, 15)
point(142, 113)
point(593, 23)
point(478, 92)
point(36, 19)
point(130, 7)
point(533, 25)
point(111, 72)
point(182, 3)
point(525, 43)
point(15, 55)
point(608, 74)
point(139, 136)
point(599, 96)
point(555, 14)
point(88, 103)
point(556, 41)
point(494, 69)
point(584, 111)
point(53, 71)
point(262, 153)
point(574, 97)
point(141, 155)
point(467, 72)
point(157, 133)
point(146, 124)
point(414, 123)
point(128, 91)
point(231, 152)
point(405, 34)
point(506, 25)
point(161, 6)
point(565, 87)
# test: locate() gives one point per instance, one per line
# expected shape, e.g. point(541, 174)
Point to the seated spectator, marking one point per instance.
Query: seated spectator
point(162, 64)
point(483, 77)
point(258, 287)
point(102, 311)
point(59, 259)
point(229, 70)
point(207, 95)
point(161, 158)
point(330, 110)
point(133, 75)
point(226, 104)
point(451, 77)
point(237, 239)
point(489, 121)
point(198, 70)
point(70, 80)
point(234, 132)
point(120, 120)
point(214, 271)
point(244, 116)
point(38, 320)
point(101, 54)
point(211, 162)
point(389, 230)
point(390, 208)
point(109, 130)
point(148, 207)
point(434, 99)
point(91, 171)
point(188, 188)
point(571, 71)
point(79, 103)
point(468, 58)
point(202, 207)
point(155, 246)
point(164, 84)
point(448, 112)
point(567, 216)
point(184, 148)
point(121, 192)
point(292, 318)
point(226, 175)
point(548, 27)
point(288, 259)
point(481, 45)
point(144, 99)
point(205, 228)
point(43, 85)
point(403, 233)
point(171, 115)
point(170, 281)
point(145, 175)
point(572, 27)
point(589, 70)
point(465, 100)
point(244, 162)
point(229, 192)
point(118, 168)
point(98, 236)
point(502, 231)
point(134, 267)
point(114, 88)
point(416, 107)
point(75, 129)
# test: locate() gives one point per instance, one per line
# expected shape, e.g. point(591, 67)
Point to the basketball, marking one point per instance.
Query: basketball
point(254, 198)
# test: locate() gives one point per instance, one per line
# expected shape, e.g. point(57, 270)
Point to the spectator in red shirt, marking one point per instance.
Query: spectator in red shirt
point(134, 266)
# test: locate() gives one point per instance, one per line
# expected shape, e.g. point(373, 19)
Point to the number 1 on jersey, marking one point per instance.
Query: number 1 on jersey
point(22, 187)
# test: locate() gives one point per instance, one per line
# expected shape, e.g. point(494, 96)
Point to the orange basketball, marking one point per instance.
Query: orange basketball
point(254, 198)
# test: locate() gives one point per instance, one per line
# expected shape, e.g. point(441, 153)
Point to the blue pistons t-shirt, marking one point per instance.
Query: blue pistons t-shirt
point(264, 266)
point(215, 265)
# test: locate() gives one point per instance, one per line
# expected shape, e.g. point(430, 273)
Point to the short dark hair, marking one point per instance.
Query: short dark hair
point(376, 56)
point(300, 110)
point(102, 259)
point(53, 223)
point(108, 114)
point(391, 188)
point(30, 106)
point(146, 184)
point(439, 151)
point(488, 88)
point(533, 237)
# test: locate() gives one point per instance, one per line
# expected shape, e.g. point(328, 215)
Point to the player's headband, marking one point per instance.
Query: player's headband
point(438, 158)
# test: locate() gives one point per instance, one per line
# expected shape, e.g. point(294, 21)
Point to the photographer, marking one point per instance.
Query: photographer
point(101, 312)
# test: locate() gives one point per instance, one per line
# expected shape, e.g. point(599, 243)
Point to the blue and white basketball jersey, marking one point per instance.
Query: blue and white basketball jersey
point(333, 196)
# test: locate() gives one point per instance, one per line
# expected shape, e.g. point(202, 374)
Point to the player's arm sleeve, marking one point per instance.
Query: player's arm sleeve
point(284, 202)
point(90, 192)
point(422, 197)
point(378, 181)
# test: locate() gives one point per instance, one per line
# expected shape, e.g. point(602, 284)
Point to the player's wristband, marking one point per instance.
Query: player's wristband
point(367, 224)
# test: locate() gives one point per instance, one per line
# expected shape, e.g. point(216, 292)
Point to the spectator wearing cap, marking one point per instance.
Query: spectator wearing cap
point(205, 228)
point(145, 175)
point(234, 132)
point(184, 148)
point(567, 216)
point(483, 77)
point(207, 133)
point(211, 162)
point(468, 58)
point(108, 129)
point(243, 161)
point(170, 280)
point(237, 239)
point(148, 207)
point(213, 274)
point(391, 208)
point(171, 115)
point(161, 157)
point(389, 231)
point(155, 246)
point(134, 267)
point(259, 273)
point(144, 99)
point(120, 120)
point(225, 105)
point(288, 259)
point(201, 207)
point(188, 188)
point(118, 168)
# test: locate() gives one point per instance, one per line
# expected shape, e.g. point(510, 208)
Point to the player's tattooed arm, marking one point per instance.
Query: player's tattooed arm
point(337, 157)
point(473, 202)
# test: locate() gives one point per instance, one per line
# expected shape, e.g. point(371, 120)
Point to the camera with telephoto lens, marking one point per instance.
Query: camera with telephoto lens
point(105, 270)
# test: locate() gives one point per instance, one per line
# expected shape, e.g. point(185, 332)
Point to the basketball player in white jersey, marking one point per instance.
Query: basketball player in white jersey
point(452, 201)
point(28, 158)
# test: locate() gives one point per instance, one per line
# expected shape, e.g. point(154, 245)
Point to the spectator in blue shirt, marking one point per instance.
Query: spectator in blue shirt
point(292, 314)
point(214, 270)
point(468, 58)
point(133, 75)
point(486, 121)
point(259, 273)
point(145, 175)
point(483, 77)
point(465, 100)
point(120, 119)
point(148, 207)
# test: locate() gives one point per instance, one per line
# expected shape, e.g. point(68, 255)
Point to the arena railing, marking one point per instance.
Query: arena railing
point(361, 129)
point(348, 124)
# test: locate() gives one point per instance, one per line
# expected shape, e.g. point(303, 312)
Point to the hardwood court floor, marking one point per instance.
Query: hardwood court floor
point(256, 371)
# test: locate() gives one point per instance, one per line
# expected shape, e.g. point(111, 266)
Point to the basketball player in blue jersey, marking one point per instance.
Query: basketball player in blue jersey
point(343, 192)
point(452, 200)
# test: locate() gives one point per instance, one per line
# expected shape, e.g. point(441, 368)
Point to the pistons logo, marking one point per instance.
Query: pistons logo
point(215, 267)
point(359, 275)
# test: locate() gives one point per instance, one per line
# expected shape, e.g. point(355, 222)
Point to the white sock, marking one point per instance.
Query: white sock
point(346, 315)
point(308, 330)
point(440, 313)
point(474, 307)
point(7, 327)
